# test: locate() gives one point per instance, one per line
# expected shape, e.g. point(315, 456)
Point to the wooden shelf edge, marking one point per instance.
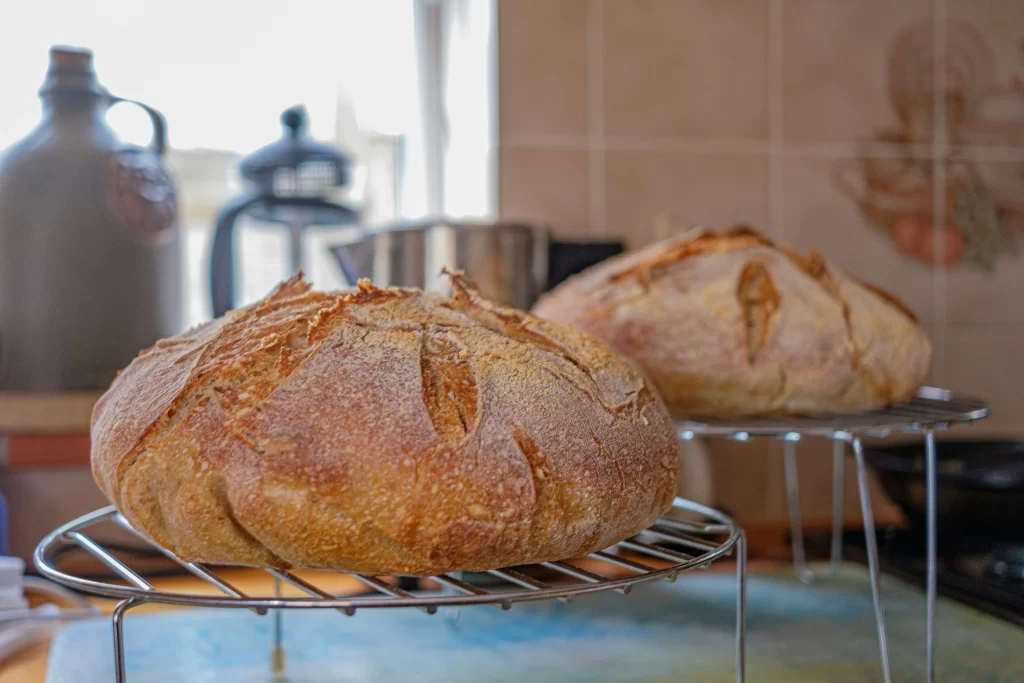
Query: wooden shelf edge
point(31, 451)
point(28, 413)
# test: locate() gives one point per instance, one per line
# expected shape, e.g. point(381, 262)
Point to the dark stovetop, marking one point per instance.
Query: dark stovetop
point(986, 574)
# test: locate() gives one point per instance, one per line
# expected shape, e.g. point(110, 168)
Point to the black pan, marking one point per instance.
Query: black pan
point(980, 485)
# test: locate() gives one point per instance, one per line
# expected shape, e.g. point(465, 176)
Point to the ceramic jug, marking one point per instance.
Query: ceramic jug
point(90, 265)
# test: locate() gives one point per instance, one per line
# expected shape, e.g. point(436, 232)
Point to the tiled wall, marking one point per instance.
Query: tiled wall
point(825, 122)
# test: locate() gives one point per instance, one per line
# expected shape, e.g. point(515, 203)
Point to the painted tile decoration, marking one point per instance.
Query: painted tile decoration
point(983, 202)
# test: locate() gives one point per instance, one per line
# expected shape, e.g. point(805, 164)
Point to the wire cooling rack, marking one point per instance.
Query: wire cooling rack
point(665, 550)
point(931, 410)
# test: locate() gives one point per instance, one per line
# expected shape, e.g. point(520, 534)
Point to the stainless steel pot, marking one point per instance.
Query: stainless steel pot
point(508, 261)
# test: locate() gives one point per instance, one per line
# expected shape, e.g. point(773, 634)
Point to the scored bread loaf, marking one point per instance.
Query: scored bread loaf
point(385, 431)
point(729, 323)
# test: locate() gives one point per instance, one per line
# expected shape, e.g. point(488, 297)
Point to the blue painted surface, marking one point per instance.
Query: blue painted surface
point(3, 525)
point(658, 633)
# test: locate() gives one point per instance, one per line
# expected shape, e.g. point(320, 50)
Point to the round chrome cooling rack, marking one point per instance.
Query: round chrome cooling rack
point(931, 410)
point(665, 550)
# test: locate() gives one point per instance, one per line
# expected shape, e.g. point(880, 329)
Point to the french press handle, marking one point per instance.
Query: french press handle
point(159, 142)
point(222, 248)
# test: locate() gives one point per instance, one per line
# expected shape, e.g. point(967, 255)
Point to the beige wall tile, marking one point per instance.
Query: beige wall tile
point(836, 70)
point(986, 286)
point(542, 66)
point(985, 47)
point(686, 68)
point(692, 189)
point(817, 214)
point(984, 361)
point(749, 480)
point(750, 484)
point(938, 374)
point(545, 186)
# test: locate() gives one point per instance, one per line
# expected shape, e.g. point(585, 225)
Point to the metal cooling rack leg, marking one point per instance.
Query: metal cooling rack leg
point(451, 614)
point(796, 525)
point(838, 505)
point(741, 608)
point(871, 541)
point(796, 528)
point(932, 586)
point(277, 658)
point(118, 620)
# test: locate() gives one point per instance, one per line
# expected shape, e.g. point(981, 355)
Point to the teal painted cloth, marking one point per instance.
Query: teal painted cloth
point(660, 632)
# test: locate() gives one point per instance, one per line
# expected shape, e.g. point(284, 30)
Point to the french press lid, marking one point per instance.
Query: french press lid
point(290, 182)
point(296, 165)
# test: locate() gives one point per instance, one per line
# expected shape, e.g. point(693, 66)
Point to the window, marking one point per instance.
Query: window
point(222, 73)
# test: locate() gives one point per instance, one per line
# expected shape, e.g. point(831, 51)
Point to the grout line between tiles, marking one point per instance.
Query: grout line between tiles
point(939, 154)
point(623, 143)
point(983, 153)
point(557, 141)
point(595, 118)
point(983, 327)
point(618, 143)
point(776, 120)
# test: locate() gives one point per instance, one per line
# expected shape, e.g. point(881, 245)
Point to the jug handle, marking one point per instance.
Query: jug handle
point(159, 142)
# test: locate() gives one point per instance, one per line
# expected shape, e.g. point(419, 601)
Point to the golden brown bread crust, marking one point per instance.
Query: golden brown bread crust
point(728, 323)
point(385, 431)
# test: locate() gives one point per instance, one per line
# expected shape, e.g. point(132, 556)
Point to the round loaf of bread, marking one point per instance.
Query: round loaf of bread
point(383, 431)
point(728, 324)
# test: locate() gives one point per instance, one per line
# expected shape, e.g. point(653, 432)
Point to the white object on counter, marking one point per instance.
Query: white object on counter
point(12, 591)
point(21, 626)
point(17, 635)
